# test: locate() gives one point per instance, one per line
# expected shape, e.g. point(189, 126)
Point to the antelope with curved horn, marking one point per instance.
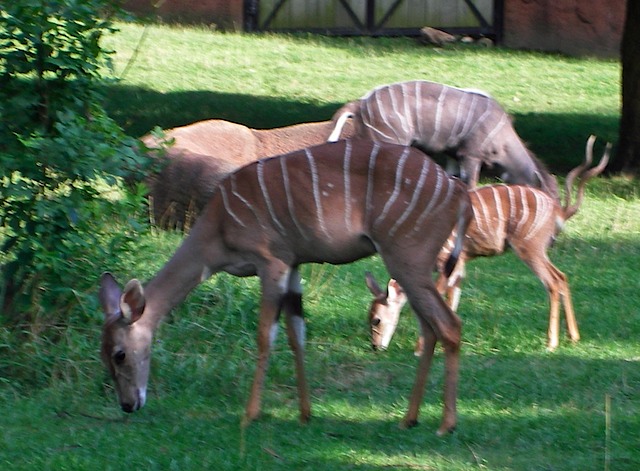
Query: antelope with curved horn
point(466, 124)
point(334, 203)
point(520, 217)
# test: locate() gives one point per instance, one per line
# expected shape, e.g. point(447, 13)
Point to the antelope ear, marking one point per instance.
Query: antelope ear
point(373, 286)
point(109, 296)
point(132, 301)
point(395, 291)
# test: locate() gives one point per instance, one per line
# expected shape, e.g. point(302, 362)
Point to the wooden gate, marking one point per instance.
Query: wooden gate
point(375, 17)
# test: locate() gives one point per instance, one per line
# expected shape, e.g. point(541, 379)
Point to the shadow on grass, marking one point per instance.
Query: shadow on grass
point(558, 139)
point(516, 411)
point(138, 110)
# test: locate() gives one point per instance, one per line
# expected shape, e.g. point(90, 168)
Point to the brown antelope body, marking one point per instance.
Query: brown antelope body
point(205, 152)
point(334, 203)
point(523, 218)
point(465, 124)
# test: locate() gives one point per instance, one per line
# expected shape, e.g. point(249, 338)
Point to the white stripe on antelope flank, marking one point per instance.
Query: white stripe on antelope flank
point(541, 213)
point(438, 119)
point(524, 217)
point(512, 204)
point(225, 202)
point(267, 198)
point(315, 182)
point(414, 199)
point(454, 135)
point(385, 118)
point(396, 187)
point(483, 215)
point(347, 184)
point(468, 122)
point(287, 190)
point(497, 201)
point(372, 166)
point(234, 192)
point(432, 201)
point(411, 120)
point(397, 114)
point(483, 117)
point(498, 127)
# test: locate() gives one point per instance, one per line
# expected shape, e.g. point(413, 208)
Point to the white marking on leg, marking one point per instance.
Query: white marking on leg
point(273, 333)
point(299, 329)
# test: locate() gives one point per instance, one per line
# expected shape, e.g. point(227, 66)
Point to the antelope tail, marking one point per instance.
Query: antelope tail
point(465, 214)
point(340, 117)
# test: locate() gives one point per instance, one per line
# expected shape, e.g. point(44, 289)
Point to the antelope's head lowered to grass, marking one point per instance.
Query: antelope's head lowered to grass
point(126, 341)
point(385, 311)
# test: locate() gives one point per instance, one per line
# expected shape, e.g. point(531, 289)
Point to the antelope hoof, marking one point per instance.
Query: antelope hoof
point(407, 424)
point(305, 417)
point(248, 419)
point(445, 429)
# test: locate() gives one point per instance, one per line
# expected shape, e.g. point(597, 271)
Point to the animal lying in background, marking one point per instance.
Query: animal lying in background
point(203, 153)
point(523, 218)
point(333, 203)
point(465, 124)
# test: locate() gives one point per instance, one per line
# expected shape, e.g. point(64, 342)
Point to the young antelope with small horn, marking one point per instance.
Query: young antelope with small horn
point(523, 218)
point(334, 203)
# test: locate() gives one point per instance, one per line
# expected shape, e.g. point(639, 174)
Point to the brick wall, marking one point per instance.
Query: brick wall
point(575, 27)
point(226, 14)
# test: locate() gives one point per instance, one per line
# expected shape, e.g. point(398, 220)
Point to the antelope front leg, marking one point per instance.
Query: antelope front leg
point(272, 291)
point(437, 322)
point(427, 344)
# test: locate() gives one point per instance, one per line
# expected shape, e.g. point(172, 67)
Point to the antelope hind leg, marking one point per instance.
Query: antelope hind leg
point(292, 306)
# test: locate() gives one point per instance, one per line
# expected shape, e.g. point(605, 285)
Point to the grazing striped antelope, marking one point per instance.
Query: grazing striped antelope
point(334, 203)
point(520, 217)
point(468, 125)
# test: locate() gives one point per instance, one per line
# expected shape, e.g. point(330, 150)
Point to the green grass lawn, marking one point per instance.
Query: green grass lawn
point(520, 407)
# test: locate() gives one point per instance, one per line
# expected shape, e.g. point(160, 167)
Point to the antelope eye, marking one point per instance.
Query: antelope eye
point(118, 357)
point(375, 321)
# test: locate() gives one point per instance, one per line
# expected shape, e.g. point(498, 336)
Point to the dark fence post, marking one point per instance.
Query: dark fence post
point(498, 21)
point(251, 15)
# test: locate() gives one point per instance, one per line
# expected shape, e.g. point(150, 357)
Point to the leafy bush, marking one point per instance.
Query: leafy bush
point(64, 157)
